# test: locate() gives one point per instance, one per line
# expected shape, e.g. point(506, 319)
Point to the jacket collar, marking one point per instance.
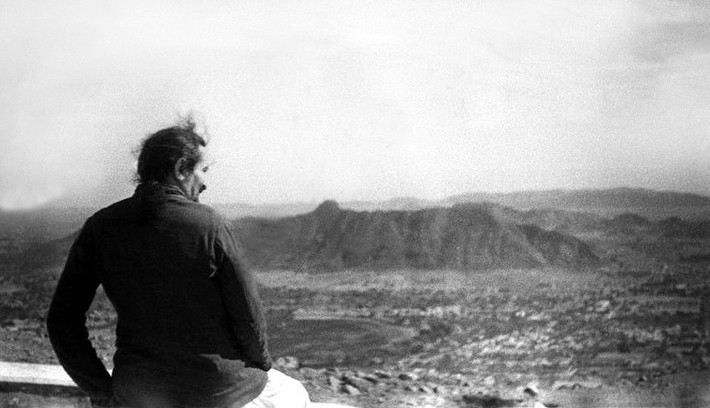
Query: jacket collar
point(155, 189)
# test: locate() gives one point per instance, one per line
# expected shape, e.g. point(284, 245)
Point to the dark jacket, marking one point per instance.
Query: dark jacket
point(190, 329)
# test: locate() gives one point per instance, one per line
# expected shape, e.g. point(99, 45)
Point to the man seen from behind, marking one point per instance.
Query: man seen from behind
point(190, 329)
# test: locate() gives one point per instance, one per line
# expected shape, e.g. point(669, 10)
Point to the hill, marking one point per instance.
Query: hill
point(608, 202)
point(466, 236)
point(650, 204)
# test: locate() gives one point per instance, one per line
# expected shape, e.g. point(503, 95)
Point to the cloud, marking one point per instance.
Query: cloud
point(352, 99)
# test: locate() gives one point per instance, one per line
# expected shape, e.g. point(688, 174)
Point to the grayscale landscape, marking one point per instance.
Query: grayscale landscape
point(489, 203)
point(504, 302)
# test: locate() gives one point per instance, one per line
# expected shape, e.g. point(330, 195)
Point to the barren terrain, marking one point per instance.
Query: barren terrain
point(624, 331)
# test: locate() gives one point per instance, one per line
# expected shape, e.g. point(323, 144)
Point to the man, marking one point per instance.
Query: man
point(190, 329)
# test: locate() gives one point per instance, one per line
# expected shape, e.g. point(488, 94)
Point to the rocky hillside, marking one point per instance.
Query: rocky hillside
point(465, 236)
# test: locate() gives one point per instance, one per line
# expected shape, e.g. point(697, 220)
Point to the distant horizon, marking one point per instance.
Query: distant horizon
point(311, 99)
point(59, 205)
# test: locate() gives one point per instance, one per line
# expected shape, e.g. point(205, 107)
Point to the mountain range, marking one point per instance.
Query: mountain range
point(651, 204)
point(411, 233)
point(465, 236)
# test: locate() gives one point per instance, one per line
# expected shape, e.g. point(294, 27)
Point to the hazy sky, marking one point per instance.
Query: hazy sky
point(307, 100)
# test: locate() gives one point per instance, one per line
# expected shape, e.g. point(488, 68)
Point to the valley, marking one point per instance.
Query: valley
point(623, 326)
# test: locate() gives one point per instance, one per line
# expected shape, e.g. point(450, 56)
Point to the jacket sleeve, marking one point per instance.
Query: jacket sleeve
point(66, 321)
point(241, 299)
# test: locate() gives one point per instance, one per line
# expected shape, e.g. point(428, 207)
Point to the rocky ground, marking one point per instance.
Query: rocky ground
point(540, 336)
point(438, 338)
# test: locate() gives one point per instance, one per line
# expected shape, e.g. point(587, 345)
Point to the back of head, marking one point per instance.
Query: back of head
point(158, 155)
point(160, 152)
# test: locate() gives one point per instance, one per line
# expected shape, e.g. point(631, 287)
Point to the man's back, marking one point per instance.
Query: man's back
point(190, 330)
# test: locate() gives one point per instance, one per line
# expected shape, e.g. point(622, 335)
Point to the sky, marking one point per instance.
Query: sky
point(356, 100)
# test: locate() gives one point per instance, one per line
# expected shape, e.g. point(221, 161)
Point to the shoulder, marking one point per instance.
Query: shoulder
point(218, 229)
point(117, 213)
point(107, 213)
point(113, 209)
point(173, 213)
point(198, 217)
point(205, 215)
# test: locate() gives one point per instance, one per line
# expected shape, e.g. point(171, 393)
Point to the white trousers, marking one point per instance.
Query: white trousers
point(281, 391)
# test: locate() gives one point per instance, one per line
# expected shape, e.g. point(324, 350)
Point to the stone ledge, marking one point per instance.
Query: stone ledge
point(47, 380)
